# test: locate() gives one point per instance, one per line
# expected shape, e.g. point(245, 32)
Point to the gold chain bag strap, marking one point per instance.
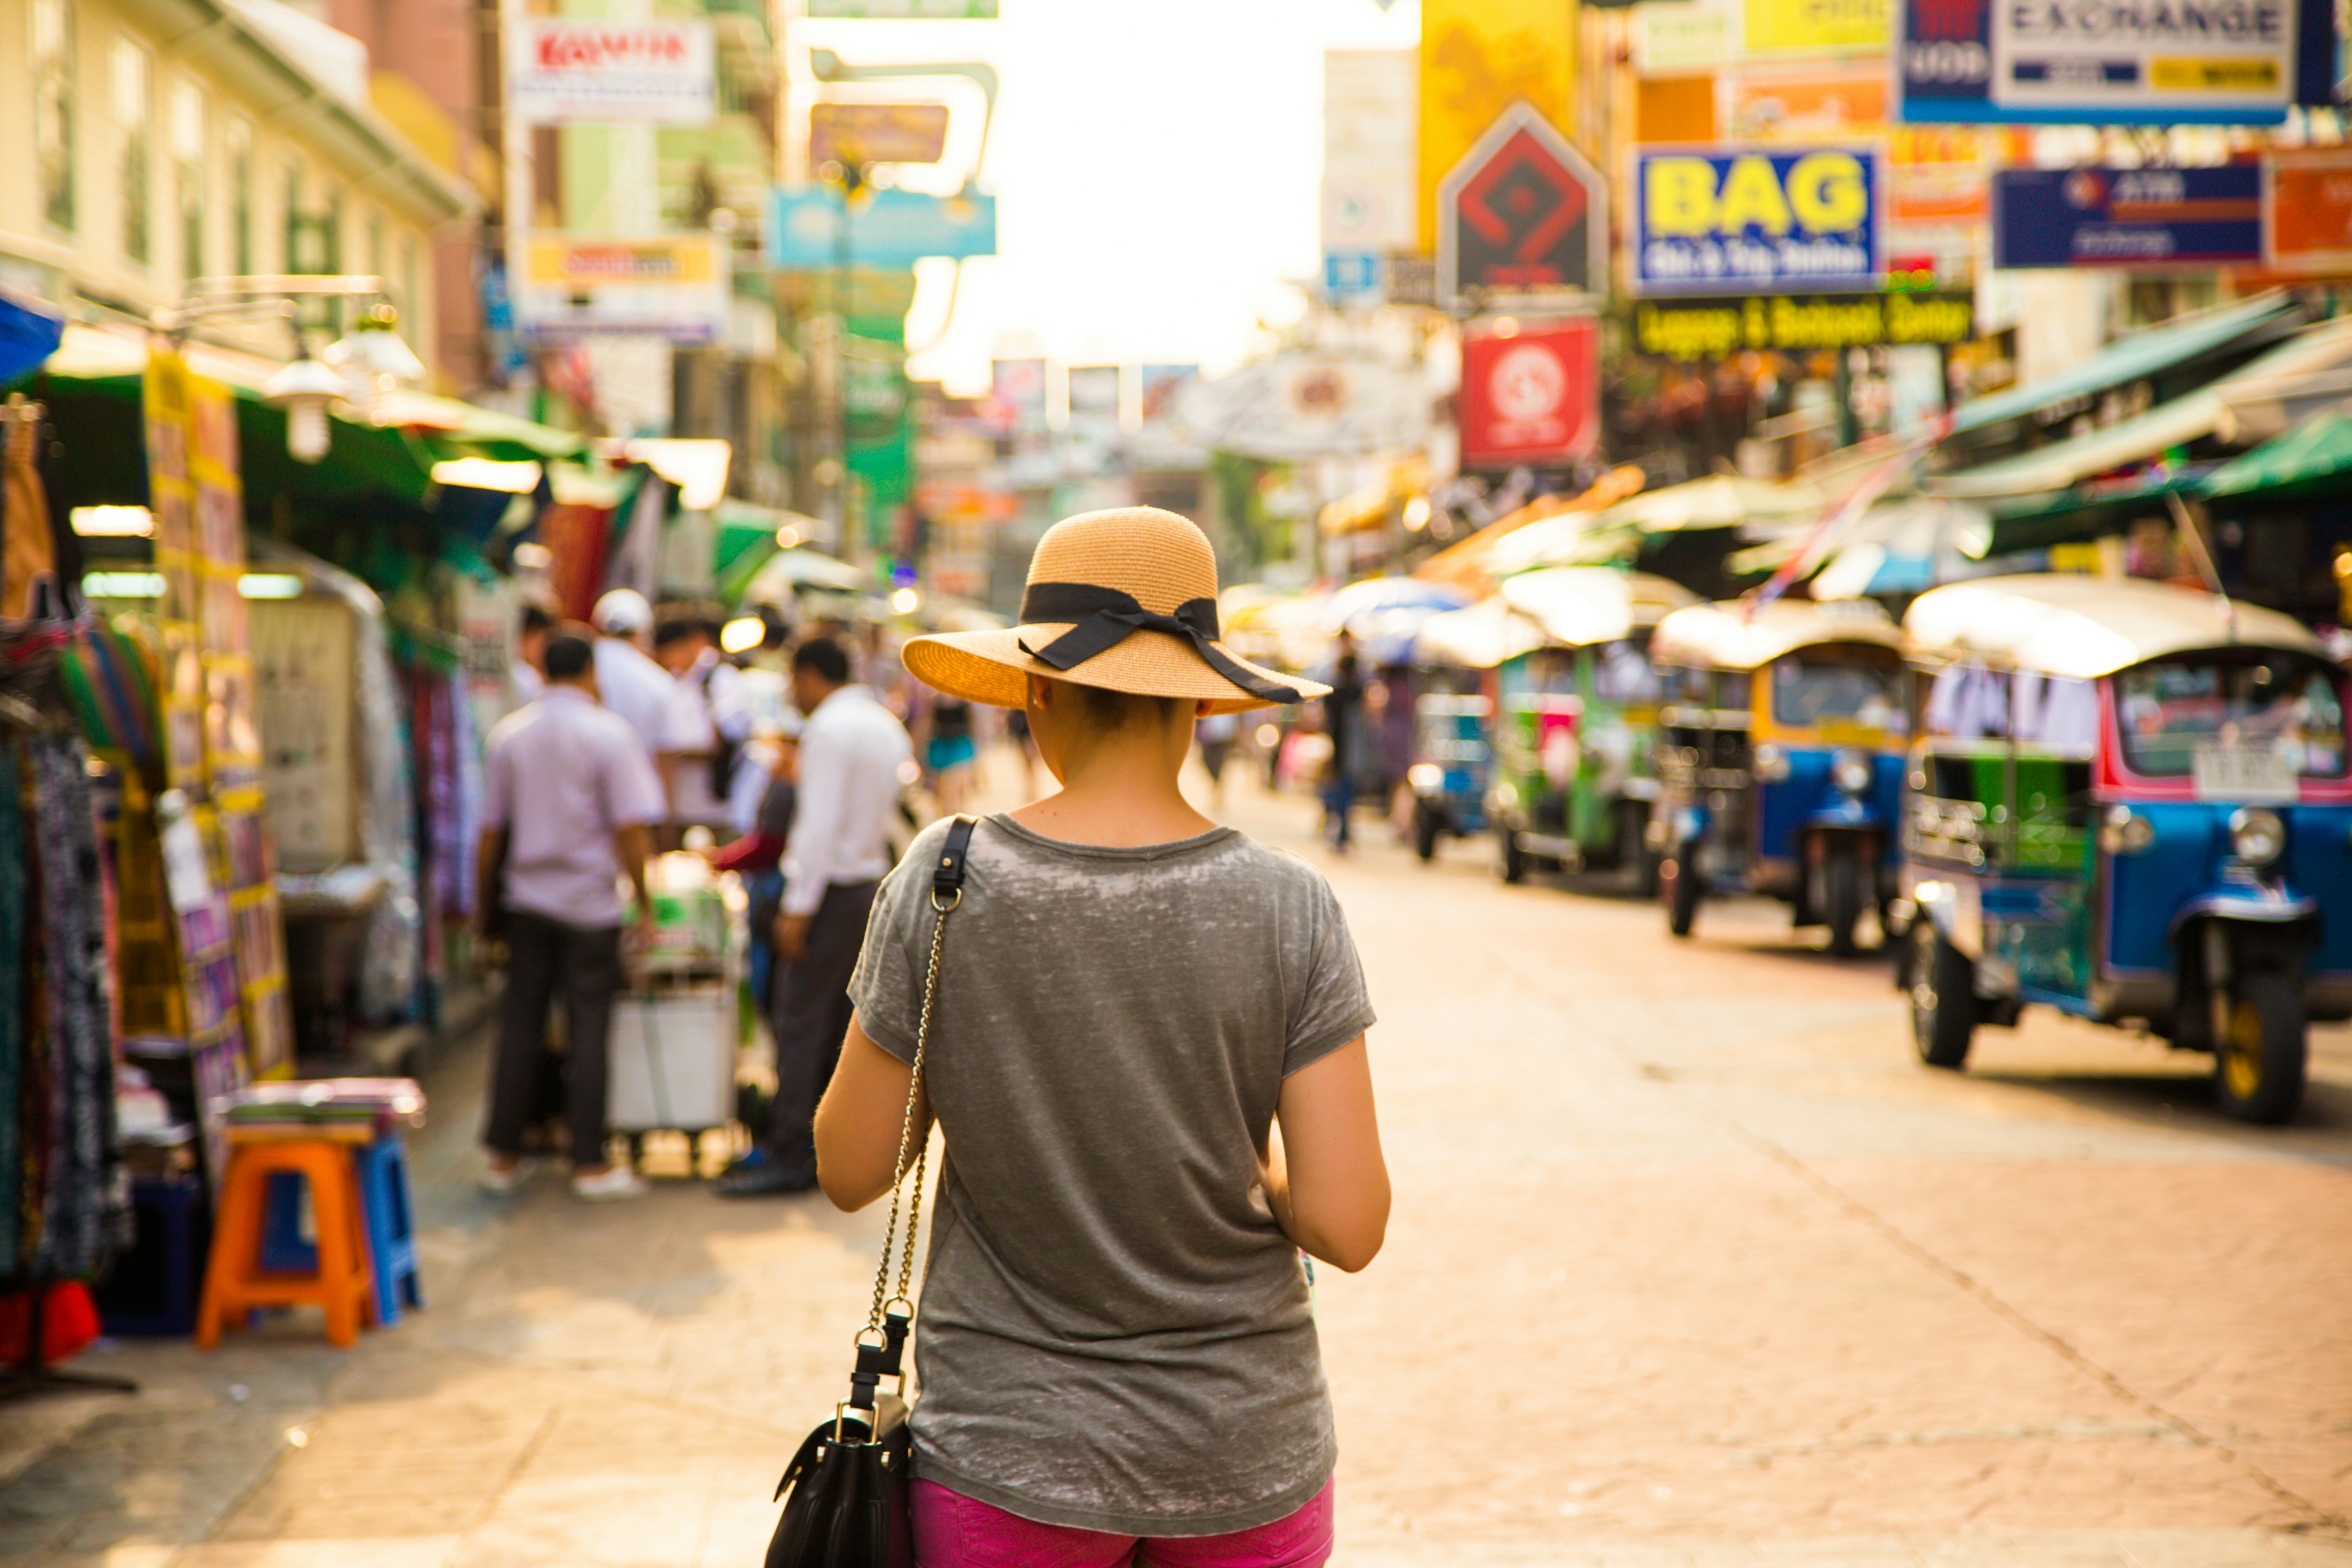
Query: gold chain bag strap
point(849, 1480)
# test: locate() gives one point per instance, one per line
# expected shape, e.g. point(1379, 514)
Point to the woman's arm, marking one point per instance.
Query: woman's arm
point(1324, 1173)
point(859, 1122)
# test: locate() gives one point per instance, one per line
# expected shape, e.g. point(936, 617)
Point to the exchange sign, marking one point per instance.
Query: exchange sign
point(1523, 213)
point(2113, 62)
point(1797, 324)
point(1728, 220)
point(2127, 217)
point(1533, 396)
point(559, 69)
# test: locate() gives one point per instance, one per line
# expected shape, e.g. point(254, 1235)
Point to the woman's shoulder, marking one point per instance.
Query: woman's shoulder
point(1283, 872)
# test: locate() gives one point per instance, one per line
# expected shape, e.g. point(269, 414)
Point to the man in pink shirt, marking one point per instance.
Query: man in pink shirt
point(570, 799)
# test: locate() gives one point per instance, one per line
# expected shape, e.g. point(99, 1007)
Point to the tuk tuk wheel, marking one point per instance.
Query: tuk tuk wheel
point(1678, 888)
point(1943, 997)
point(1513, 868)
point(2258, 1066)
point(1845, 892)
point(1425, 830)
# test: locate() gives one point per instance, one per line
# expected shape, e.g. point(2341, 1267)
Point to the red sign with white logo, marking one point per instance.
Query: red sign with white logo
point(1530, 395)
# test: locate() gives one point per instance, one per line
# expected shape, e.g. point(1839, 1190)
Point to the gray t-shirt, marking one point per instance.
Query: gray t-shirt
point(1114, 1333)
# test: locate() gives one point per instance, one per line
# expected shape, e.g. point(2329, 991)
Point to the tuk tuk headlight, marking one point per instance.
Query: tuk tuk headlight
point(2256, 834)
point(1849, 770)
point(2125, 831)
point(1770, 763)
point(1426, 778)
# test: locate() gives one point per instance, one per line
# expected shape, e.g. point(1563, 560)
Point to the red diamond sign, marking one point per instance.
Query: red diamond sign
point(1522, 213)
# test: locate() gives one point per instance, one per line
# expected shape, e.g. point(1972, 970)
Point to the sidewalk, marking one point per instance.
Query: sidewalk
point(618, 1387)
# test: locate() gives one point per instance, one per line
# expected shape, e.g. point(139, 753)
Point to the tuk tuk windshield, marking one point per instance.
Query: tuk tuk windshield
point(2174, 708)
point(1859, 685)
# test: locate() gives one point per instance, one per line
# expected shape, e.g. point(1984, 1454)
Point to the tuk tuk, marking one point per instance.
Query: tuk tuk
point(1575, 718)
point(1780, 759)
point(1453, 660)
point(2131, 801)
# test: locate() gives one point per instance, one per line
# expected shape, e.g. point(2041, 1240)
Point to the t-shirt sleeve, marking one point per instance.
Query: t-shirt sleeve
point(498, 781)
point(633, 794)
point(888, 987)
point(1333, 1006)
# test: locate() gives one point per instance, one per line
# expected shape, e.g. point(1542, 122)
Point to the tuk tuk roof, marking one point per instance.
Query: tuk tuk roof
point(2084, 627)
point(1580, 606)
point(1735, 636)
point(1479, 637)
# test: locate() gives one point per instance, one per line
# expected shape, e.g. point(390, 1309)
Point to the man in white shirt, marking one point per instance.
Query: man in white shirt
point(713, 720)
point(631, 683)
point(852, 754)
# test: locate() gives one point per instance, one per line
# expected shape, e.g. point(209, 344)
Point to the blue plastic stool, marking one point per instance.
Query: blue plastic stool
point(382, 1168)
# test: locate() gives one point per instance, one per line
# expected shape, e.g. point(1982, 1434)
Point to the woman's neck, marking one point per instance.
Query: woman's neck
point(1119, 795)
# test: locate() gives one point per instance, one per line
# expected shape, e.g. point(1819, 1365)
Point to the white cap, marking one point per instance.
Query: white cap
point(622, 613)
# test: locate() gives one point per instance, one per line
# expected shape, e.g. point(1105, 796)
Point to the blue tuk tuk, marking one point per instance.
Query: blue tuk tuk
point(2132, 801)
point(1780, 759)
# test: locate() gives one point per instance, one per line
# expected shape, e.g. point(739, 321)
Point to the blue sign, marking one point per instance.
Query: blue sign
point(1351, 277)
point(2127, 217)
point(2112, 62)
point(1731, 220)
point(807, 227)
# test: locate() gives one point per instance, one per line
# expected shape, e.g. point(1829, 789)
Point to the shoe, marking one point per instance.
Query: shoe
point(762, 1177)
point(619, 1182)
point(499, 1184)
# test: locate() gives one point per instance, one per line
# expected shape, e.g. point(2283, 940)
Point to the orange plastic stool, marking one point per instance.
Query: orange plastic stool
point(235, 1282)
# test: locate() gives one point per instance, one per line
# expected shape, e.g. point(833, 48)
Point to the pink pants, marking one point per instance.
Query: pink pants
point(953, 1532)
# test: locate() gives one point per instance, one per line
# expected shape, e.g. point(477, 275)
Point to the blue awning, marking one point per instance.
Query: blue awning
point(2130, 359)
point(30, 332)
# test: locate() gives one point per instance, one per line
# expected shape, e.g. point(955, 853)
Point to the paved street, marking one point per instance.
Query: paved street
point(1690, 1264)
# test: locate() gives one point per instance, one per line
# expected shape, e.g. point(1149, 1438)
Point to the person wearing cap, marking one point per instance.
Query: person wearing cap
point(1146, 1056)
point(632, 685)
point(854, 754)
point(712, 718)
point(569, 802)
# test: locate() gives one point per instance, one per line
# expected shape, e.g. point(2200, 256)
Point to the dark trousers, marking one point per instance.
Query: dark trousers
point(809, 1014)
point(547, 959)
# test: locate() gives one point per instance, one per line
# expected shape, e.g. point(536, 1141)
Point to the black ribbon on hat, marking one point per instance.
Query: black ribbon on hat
point(1101, 618)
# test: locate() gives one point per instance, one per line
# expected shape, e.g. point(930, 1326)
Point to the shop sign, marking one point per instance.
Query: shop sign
point(2309, 195)
point(674, 286)
point(1729, 220)
point(1799, 323)
point(1522, 213)
point(1301, 406)
point(1532, 395)
point(559, 69)
point(2127, 217)
point(1478, 57)
point(812, 226)
point(877, 132)
point(1817, 27)
point(919, 10)
point(2113, 62)
point(1673, 38)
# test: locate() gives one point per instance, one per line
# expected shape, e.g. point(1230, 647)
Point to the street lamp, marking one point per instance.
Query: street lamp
point(359, 367)
point(303, 390)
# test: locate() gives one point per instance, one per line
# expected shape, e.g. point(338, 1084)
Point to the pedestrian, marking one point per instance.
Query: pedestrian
point(949, 748)
point(1024, 745)
point(628, 680)
point(852, 753)
point(569, 805)
point(1216, 733)
point(1343, 723)
point(1147, 1057)
point(526, 672)
point(711, 716)
point(757, 856)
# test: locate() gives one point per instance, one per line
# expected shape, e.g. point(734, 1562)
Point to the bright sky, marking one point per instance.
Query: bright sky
point(1155, 165)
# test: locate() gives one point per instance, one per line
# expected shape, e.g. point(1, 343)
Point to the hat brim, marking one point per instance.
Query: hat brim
point(993, 667)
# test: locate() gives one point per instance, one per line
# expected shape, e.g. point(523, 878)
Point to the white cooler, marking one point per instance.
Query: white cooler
point(673, 1061)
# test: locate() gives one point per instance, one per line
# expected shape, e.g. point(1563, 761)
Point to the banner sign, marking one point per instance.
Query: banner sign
point(559, 69)
point(1797, 324)
point(1533, 396)
point(925, 10)
point(877, 132)
point(1478, 57)
point(1522, 213)
point(2309, 193)
point(2113, 62)
point(1675, 37)
point(674, 286)
point(1817, 27)
point(2127, 217)
point(1728, 220)
point(807, 227)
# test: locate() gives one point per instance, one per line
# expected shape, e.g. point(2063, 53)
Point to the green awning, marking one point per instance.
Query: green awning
point(2142, 355)
point(2067, 517)
point(2314, 458)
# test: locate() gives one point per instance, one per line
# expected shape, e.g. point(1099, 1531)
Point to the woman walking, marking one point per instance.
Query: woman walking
point(1147, 1059)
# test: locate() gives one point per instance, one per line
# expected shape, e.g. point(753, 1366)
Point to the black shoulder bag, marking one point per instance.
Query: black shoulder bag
point(849, 1481)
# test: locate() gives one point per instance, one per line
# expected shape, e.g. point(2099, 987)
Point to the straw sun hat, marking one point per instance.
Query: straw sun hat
point(1124, 600)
